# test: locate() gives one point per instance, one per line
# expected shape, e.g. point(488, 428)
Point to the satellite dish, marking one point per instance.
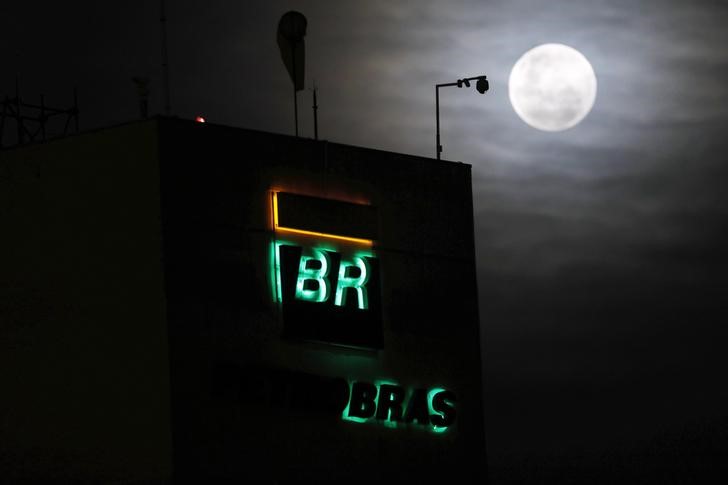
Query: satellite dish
point(291, 31)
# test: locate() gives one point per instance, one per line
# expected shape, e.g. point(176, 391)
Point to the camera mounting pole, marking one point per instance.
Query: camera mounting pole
point(482, 86)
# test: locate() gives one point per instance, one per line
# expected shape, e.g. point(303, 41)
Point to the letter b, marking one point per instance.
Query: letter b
point(311, 284)
point(362, 404)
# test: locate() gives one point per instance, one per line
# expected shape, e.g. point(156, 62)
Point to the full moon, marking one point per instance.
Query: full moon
point(552, 87)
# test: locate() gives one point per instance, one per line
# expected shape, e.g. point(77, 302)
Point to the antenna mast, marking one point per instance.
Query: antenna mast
point(165, 65)
point(31, 119)
point(315, 114)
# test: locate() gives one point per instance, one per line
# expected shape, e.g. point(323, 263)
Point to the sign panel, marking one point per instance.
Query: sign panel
point(325, 271)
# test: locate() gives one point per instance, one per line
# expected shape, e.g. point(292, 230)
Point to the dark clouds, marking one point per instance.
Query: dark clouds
point(601, 250)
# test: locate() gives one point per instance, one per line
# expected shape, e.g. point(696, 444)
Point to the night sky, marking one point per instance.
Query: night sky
point(602, 250)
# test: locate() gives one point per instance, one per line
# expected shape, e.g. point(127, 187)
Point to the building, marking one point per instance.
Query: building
point(185, 302)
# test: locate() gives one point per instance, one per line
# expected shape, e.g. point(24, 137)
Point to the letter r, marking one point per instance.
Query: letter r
point(355, 282)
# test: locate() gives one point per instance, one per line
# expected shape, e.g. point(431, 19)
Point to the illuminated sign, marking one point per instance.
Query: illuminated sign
point(316, 281)
point(323, 218)
point(326, 295)
point(324, 271)
point(393, 405)
point(383, 403)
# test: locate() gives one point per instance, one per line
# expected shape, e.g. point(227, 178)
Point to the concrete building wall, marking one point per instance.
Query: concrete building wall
point(84, 377)
point(143, 337)
point(216, 186)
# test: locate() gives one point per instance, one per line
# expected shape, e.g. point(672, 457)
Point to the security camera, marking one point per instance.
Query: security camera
point(482, 85)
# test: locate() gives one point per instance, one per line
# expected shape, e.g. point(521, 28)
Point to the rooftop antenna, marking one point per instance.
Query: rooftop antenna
point(291, 31)
point(165, 65)
point(142, 85)
point(18, 104)
point(31, 119)
point(315, 113)
point(482, 85)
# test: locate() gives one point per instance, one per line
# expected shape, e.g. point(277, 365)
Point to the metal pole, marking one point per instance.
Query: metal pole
point(75, 106)
point(42, 117)
point(459, 83)
point(295, 108)
point(438, 147)
point(2, 120)
point(6, 106)
point(165, 65)
point(315, 115)
point(295, 98)
point(21, 138)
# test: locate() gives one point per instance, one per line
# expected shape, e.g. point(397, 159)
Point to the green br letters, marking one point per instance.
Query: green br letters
point(316, 282)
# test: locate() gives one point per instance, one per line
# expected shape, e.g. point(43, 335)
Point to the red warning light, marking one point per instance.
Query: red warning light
point(199, 119)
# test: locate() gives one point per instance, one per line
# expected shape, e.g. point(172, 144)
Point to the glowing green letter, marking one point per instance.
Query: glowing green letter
point(355, 282)
point(308, 274)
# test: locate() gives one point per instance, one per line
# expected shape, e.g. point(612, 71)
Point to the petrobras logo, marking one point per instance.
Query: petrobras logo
point(381, 402)
point(325, 273)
